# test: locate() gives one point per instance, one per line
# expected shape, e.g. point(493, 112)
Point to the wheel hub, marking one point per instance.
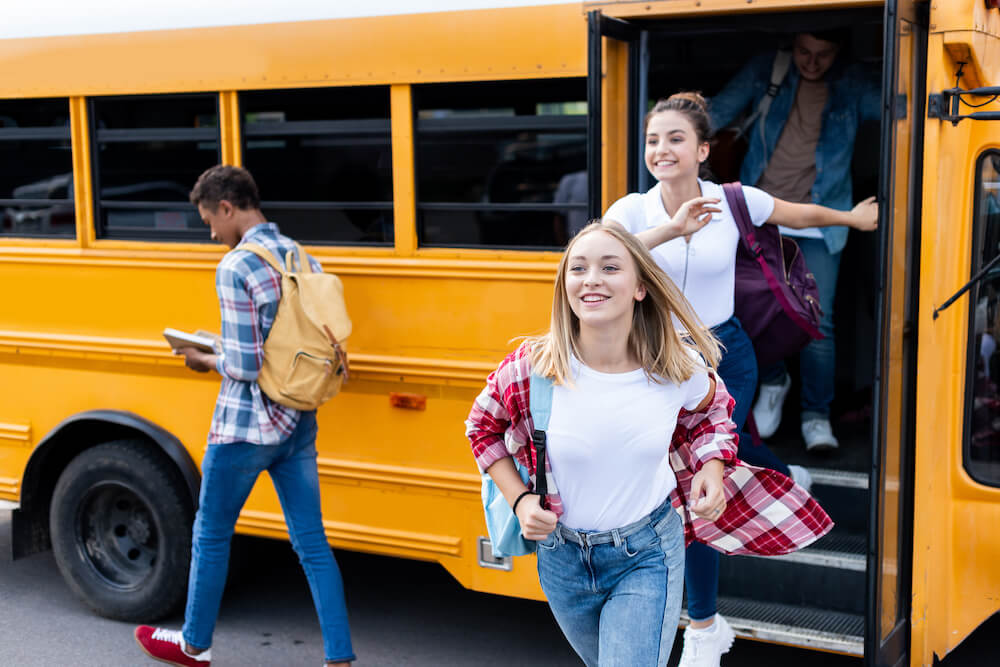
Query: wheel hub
point(117, 535)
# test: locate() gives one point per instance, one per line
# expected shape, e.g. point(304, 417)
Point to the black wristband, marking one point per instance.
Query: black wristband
point(513, 508)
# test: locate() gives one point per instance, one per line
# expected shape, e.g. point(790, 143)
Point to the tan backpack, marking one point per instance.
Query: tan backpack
point(305, 360)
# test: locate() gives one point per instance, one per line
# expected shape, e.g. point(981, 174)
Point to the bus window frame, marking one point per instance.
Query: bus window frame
point(487, 124)
point(349, 128)
point(971, 352)
point(137, 135)
point(45, 133)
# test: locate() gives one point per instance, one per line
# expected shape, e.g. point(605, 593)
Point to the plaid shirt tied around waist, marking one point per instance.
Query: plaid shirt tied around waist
point(249, 291)
point(766, 512)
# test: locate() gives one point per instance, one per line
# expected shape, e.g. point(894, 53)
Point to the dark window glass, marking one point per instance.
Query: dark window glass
point(982, 450)
point(501, 164)
point(36, 169)
point(148, 152)
point(322, 159)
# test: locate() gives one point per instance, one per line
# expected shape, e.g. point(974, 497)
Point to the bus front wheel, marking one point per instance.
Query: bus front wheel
point(121, 531)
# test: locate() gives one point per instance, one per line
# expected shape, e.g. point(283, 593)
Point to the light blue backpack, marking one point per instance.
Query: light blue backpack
point(501, 522)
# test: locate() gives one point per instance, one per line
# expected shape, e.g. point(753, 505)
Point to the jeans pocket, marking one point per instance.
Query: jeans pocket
point(549, 543)
point(639, 541)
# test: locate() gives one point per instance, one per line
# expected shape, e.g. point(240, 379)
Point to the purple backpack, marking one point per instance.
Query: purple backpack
point(777, 301)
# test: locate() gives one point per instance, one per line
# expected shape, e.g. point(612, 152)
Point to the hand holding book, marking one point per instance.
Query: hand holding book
point(200, 340)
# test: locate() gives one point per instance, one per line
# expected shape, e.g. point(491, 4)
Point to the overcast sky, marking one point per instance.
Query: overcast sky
point(37, 18)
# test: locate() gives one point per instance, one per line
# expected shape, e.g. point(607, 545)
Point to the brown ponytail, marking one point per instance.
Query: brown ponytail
point(692, 105)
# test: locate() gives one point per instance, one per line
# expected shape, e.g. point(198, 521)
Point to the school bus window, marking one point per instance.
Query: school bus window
point(323, 157)
point(36, 169)
point(982, 438)
point(147, 153)
point(501, 164)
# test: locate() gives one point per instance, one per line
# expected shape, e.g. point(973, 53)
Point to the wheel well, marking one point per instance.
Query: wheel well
point(68, 440)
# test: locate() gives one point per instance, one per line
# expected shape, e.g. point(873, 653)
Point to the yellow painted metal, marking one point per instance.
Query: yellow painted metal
point(614, 122)
point(229, 128)
point(969, 31)
point(404, 194)
point(83, 198)
point(956, 584)
point(513, 43)
point(658, 8)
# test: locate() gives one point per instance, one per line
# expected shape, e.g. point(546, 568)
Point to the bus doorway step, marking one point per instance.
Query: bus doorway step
point(794, 625)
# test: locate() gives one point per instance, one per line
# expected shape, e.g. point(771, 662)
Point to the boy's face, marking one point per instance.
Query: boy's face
point(812, 56)
point(222, 222)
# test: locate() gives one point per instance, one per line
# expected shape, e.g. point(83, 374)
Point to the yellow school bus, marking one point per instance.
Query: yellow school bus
point(436, 161)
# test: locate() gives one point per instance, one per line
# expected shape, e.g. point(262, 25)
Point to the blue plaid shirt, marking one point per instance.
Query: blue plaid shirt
point(249, 290)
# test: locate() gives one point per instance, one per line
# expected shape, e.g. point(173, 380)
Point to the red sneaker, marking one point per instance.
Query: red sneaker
point(166, 646)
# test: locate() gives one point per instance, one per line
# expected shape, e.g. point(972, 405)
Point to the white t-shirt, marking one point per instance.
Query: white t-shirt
point(705, 268)
point(609, 443)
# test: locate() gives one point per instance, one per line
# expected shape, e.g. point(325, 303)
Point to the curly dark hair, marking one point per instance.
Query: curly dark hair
point(225, 182)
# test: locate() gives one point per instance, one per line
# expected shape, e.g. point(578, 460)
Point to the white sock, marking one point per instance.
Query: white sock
point(709, 629)
point(204, 656)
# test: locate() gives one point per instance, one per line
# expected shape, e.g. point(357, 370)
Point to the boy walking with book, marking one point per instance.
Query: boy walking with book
point(250, 433)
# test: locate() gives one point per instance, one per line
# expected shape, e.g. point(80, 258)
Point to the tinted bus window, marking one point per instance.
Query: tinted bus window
point(501, 164)
point(36, 169)
point(982, 449)
point(323, 161)
point(147, 153)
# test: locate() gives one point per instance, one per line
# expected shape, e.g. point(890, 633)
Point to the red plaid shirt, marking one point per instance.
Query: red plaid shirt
point(766, 512)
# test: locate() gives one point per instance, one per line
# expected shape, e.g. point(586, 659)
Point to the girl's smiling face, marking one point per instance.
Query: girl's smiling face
point(673, 148)
point(602, 282)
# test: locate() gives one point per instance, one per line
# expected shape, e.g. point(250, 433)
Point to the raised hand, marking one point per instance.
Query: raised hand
point(693, 215)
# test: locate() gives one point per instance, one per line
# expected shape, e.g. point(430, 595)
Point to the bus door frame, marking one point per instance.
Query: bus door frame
point(599, 27)
point(890, 526)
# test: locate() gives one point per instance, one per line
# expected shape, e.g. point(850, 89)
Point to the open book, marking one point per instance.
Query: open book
point(202, 340)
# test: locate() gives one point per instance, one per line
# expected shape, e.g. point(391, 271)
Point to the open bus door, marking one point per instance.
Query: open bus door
point(890, 523)
point(804, 601)
point(617, 62)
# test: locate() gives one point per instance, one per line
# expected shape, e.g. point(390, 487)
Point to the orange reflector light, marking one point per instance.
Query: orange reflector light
point(407, 401)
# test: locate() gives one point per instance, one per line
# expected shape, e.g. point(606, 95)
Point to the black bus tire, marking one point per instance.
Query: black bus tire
point(121, 531)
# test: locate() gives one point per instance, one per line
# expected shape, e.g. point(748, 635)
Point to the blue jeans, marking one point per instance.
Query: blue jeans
point(738, 369)
point(228, 474)
point(817, 361)
point(616, 594)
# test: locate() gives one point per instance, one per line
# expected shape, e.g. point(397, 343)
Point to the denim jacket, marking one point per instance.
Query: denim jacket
point(854, 97)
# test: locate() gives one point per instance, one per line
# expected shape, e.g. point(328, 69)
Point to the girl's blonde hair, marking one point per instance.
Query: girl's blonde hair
point(661, 349)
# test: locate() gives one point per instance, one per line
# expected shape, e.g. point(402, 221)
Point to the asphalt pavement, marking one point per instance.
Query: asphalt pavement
point(401, 613)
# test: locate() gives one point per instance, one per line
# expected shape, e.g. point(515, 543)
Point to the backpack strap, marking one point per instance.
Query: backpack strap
point(782, 60)
point(741, 214)
point(304, 265)
point(540, 406)
point(264, 254)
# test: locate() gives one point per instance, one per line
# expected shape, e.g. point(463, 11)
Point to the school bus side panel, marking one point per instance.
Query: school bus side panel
point(81, 334)
point(512, 43)
point(956, 584)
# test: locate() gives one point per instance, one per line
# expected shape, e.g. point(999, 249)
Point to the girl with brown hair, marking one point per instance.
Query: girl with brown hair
point(687, 224)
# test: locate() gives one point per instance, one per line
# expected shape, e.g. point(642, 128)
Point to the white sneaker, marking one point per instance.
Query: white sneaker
point(767, 409)
point(801, 477)
point(704, 648)
point(818, 435)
